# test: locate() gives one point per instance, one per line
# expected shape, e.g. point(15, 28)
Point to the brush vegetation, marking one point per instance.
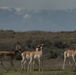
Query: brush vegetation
point(55, 43)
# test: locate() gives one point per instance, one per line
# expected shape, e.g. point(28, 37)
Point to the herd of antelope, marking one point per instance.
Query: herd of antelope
point(31, 57)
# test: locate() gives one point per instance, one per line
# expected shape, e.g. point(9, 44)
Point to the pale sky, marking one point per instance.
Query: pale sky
point(39, 4)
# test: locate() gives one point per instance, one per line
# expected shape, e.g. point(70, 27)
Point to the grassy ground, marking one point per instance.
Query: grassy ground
point(51, 67)
point(38, 73)
point(50, 64)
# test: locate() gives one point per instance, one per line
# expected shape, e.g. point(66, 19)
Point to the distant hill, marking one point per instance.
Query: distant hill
point(42, 20)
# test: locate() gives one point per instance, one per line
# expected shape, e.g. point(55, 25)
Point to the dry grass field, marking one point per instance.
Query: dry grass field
point(48, 65)
point(38, 73)
point(51, 67)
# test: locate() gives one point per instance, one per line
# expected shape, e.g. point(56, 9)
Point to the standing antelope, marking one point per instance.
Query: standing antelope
point(31, 56)
point(69, 53)
point(10, 55)
point(28, 56)
point(38, 55)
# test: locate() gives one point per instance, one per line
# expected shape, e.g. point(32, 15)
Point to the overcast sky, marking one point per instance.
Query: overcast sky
point(39, 4)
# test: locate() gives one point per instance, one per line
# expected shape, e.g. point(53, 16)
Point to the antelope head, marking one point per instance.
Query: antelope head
point(18, 47)
point(37, 47)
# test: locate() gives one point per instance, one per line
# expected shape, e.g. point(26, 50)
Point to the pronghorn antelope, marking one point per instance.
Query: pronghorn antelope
point(69, 53)
point(31, 56)
point(10, 55)
point(27, 56)
point(38, 55)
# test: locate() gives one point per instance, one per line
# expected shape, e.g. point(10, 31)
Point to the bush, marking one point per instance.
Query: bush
point(53, 54)
point(60, 44)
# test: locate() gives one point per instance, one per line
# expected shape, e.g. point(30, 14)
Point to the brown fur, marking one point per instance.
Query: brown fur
point(69, 53)
point(31, 55)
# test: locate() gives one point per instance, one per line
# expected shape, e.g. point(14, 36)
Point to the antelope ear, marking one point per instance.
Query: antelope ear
point(74, 45)
point(42, 44)
point(19, 47)
point(38, 46)
point(16, 46)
